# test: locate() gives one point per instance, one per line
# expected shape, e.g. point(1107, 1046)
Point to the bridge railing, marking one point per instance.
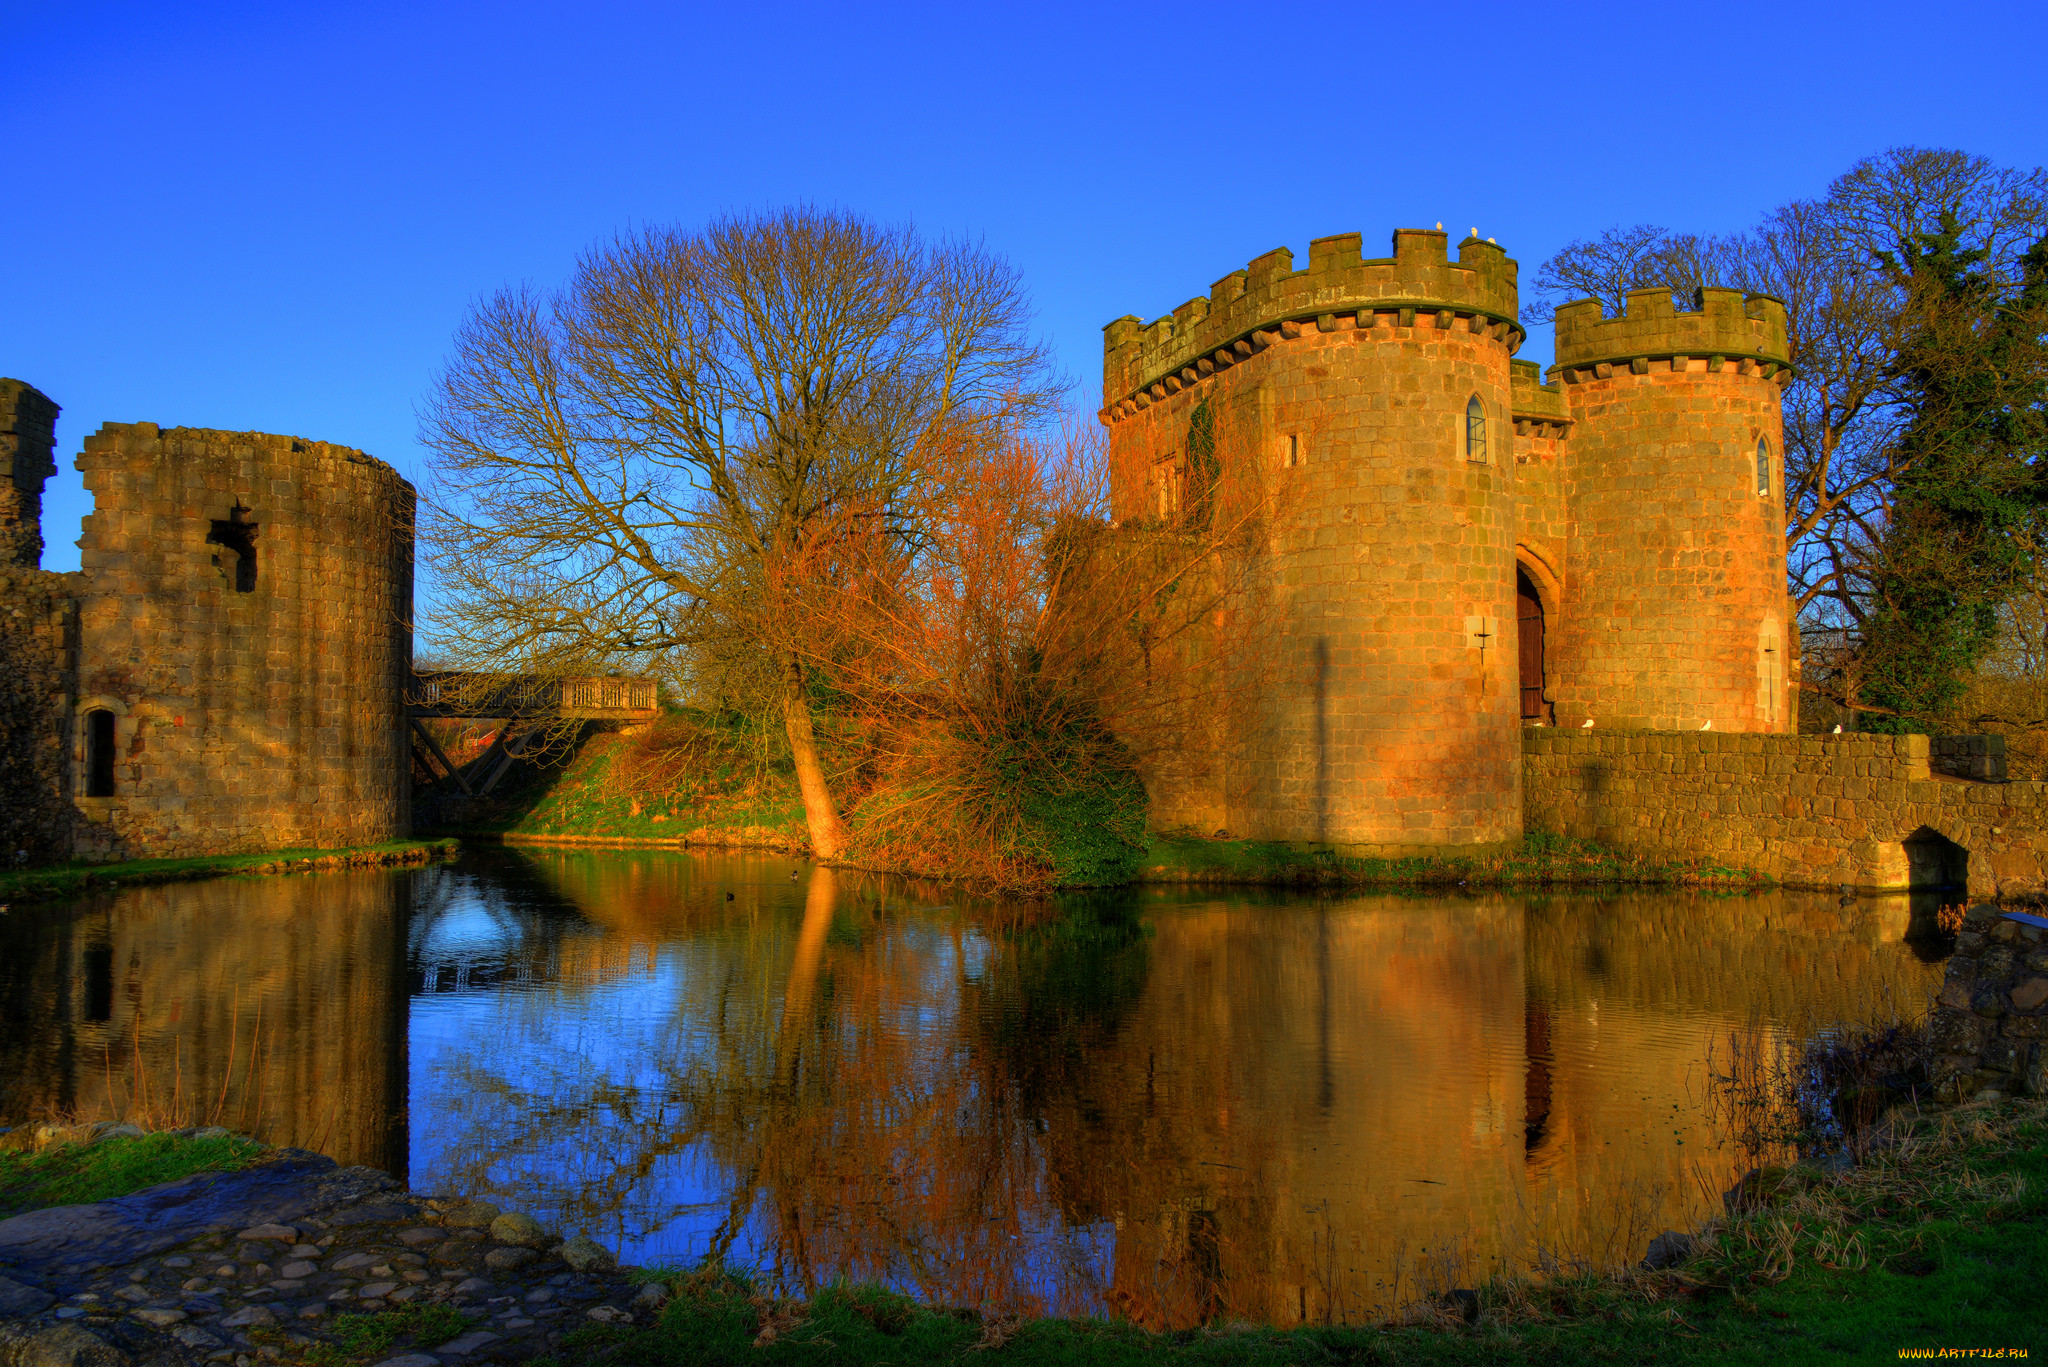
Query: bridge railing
point(460, 693)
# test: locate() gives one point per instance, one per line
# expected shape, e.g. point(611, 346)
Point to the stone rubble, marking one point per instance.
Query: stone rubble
point(271, 1290)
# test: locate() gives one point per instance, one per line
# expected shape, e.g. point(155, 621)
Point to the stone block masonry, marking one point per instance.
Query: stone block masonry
point(28, 426)
point(1456, 544)
point(1810, 811)
point(38, 645)
point(244, 645)
point(227, 672)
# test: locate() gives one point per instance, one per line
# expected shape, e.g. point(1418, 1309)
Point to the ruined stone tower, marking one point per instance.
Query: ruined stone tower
point(227, 671)
point(246, 639)
point(28, 422)
point(1466, 550)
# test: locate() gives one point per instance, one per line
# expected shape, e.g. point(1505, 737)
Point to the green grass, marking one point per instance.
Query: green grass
point(600, 793)
point(77, 877)
point(73, 1174)
point(1538, 859)
point(371, 1338)
point(1938, 1241)
point(1942, 1242)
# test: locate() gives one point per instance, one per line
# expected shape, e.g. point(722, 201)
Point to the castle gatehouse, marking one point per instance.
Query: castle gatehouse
point(1472, 547)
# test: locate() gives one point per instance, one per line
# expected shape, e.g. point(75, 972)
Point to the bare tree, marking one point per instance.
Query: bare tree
point(661, 457)
point(1837, 264)
point(1606, 268)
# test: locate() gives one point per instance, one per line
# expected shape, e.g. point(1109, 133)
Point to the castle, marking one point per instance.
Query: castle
point(1497, 601)
point(1471, 549)
point(227, 670)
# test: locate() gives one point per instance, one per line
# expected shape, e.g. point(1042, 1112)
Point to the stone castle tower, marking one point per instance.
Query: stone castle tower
point(227, 670)
point(1467, 550)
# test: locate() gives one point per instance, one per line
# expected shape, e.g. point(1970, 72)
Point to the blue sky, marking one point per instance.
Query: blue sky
point(272, 217)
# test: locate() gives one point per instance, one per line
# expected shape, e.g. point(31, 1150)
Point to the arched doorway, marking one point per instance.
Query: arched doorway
point(1933, 861)
point(1529, 625)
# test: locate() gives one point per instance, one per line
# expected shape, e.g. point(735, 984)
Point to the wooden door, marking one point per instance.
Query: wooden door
point(1529, 621)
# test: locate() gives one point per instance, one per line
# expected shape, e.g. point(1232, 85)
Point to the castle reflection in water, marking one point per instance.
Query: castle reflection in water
point(1172, 1105)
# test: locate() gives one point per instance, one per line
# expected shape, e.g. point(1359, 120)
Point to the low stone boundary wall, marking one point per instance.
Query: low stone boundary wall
point(1810, 811)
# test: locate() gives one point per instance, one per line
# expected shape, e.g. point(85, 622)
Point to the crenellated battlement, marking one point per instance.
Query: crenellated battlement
point(1246, 311)
point(1729, 328)
point(1539, 409)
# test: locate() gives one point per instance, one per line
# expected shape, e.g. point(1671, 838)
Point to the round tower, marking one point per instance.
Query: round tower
point(245, 643)
point(1675, 614)
point(1373, 398)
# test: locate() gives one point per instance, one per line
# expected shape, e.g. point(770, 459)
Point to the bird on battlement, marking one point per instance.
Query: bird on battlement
point(1586, 723)
point(1838, 728)
point(1707, 725)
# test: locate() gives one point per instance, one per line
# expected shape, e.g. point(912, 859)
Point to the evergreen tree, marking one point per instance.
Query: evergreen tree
point(1975, 375)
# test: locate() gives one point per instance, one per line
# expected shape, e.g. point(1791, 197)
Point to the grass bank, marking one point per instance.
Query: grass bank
point(1537, 860)
point(77, 877)
point(676, 783)
point(72, 1174)
point(1939, 1239)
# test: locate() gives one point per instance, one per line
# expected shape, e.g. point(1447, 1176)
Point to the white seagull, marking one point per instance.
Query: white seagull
point(1586, 723)
point(1707, 725)
point(1838, 728)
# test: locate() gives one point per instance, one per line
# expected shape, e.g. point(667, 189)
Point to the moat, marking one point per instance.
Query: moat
point(1170, 1105)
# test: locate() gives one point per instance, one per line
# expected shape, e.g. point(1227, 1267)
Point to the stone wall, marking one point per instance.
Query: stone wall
point(1981, 757)
point(38, 647)
point(1391, 723)
point(1812, 811)
point(1417, 474)
point(38, 640)
point(1991, 1018)
point(248, 624)
point(1674, 613)
point(28, 430)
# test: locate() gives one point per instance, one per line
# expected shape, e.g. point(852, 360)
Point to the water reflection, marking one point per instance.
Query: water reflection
point(269, 1005)
point(1174, 1105)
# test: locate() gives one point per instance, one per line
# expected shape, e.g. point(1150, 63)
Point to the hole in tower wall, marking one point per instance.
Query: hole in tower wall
point(99, 753)
point(239, 537)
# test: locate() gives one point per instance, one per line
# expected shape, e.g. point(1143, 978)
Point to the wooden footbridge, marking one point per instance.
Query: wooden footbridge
point(527, 705)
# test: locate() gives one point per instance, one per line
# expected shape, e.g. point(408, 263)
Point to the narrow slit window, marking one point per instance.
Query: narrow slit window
point(1475, 429)
point(236, 536)
point(1763, 468)
point(1292, 456)
point(99, 753)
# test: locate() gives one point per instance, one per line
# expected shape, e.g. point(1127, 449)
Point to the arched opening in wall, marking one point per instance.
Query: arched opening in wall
point(1529, 638)
point(1935, 862)
point(99, 752)
point(1763, 468)
point(1475, 430)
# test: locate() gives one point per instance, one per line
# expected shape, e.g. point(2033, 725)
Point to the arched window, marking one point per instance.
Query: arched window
point(1763, 468)
point(99, 753)
point(1475, 429)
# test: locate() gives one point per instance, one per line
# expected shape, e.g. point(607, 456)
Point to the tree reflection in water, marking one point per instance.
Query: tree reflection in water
point(844, 1097)
point(1178, 1105)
